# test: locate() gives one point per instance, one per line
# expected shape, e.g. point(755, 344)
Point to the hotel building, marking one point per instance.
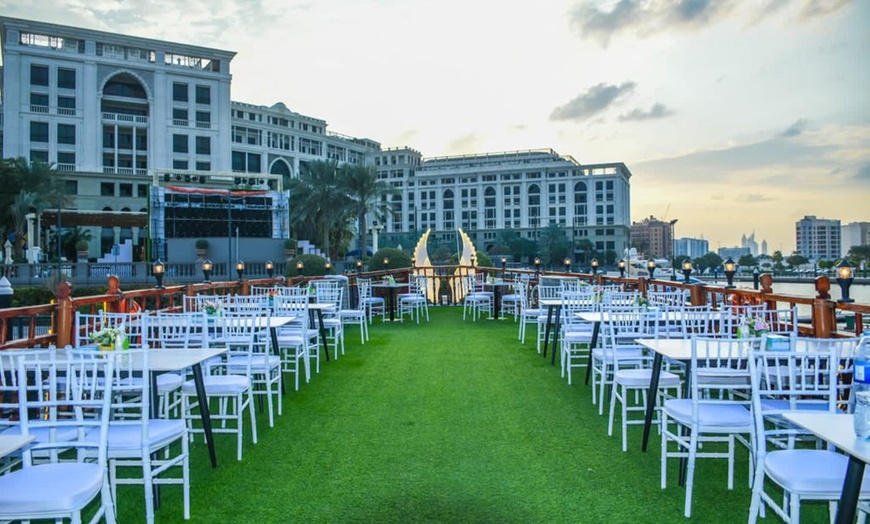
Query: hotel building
point(116, 115)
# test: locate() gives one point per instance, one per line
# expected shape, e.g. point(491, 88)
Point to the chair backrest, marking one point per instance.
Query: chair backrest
point(182, 330)
point(803, 378)
point(195, 303)
point(70, 397)
point(626, 324)
point(666, 298)
point(251, 305)
point(781, 321)
point(845, 350)
point(9, 384)
point(698, 320)
point(549, 292)
point(582, 300)
point(720, 370)
point(570, 284)
point(620, 298)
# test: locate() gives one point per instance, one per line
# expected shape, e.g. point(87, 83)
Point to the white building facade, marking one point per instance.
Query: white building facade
point(691, 247)
point(818, 238)
point(854, 234)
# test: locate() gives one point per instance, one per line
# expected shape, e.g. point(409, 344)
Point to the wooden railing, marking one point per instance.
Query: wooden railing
point(53, 324)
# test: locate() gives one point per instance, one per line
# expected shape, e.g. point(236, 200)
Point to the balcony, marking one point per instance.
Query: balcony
point(66, 168)
point(125, 118)
point(108, 170)
point(38, 109)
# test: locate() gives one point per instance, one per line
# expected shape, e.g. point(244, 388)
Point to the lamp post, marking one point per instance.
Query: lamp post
point(503, 267)
point(328, 266)
point(845, 275)
point(537, 267)
point(730, 268)
point(240, 269)
point(300, 268)
point(359, 265)
point(687, 269)
point(594, 265)
point(755, 278)
point(270, 268)
point(473, 260)
point(621, 266)
point(651, 267)
point(207, 268)
point(567, 263)
point(158, 270)
point(673, 250)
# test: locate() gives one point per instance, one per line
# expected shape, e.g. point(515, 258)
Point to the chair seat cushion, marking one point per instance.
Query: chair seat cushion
point(238, 365)
point(49, 488)
point(128, 437)
point(41, 434)
point(718, 415)
point(810, 471)
point(168, 382)
point(642, 377)
point(219, 385)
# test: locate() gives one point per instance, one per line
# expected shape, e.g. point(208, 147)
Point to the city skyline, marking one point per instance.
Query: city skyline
point(732, 116)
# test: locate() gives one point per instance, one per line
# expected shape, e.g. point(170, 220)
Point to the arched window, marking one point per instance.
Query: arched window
point(280, 167)
point(449, 213)
point(489, 207)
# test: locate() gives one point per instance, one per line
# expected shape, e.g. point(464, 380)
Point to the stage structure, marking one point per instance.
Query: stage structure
point(226, 207)
point(423, 265)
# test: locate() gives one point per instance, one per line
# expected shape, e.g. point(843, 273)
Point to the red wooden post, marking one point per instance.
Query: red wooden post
point(63, 315)
point(824, 321)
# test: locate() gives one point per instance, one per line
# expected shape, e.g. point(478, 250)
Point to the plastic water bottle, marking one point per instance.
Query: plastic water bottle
point(861, 390)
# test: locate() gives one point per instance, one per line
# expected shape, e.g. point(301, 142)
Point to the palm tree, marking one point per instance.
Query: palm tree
point(366, 192)
point(320, 202)
point(28, 188)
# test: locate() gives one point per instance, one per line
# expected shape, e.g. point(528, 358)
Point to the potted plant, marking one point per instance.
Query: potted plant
point(201, 248)
point(82, 249)
point(290, 248)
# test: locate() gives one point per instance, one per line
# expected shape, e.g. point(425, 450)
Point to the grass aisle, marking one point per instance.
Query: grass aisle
point(447, 422)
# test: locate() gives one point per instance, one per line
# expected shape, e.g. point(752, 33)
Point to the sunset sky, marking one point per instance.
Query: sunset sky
point(733, 116)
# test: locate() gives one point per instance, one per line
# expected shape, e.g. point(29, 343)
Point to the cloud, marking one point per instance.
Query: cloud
point(644, 18)
point(821, 8)
point(796, 128)
point(594, 101)
point(753, 197)
point(863, 173)
point(658, 110)
point(465, 144)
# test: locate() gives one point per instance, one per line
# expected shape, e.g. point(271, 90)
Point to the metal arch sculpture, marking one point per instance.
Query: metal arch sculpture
point(465, 259)
point(423, 265)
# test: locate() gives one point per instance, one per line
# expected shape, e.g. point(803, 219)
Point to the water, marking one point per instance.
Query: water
point(861, 293)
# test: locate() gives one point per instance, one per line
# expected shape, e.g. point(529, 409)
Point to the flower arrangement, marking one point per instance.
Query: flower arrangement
point(211, 307)
point(752, 327)
point(110, 336)
point(641, 300)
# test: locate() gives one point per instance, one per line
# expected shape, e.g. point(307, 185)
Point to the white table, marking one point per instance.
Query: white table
point(839, 431)
point(12, 443)
point(553, 305)
point(392, 290)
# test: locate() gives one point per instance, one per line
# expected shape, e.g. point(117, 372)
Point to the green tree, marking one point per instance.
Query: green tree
point(777, 259)
point(555, 245)
point(859, 255)
point(312, 266)
point(366, 192)
point(322, 207)
point(709, 261)
point(747, 261)
point(398, 259)
point(27, 188)
point(796, 259)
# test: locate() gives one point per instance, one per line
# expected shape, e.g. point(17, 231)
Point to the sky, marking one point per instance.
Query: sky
point(733, 116)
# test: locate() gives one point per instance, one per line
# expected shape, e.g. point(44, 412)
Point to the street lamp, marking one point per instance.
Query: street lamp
point(730, 268)
point(537, 267)
point(673, 250)
point(300, 267)
point(594, 265)
point(567, 263)
point(328, 266)
point(158, 270)
point(687, 269)
point(270, 269)
point(207, 267)
point(386, 262)
point(503, 267)
point(845, 275)
point(473, 260)
point(651, 267)
point(240, 269)
point(359, 265)
point(621, 266)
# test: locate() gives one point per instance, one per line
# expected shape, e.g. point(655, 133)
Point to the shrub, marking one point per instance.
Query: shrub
point(314, 266)
point(398, 259)
point(201, 243)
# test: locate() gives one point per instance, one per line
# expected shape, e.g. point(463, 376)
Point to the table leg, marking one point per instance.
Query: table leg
point(204, 413)
point(496, 305)
point(651, 398)
point(851, 488)
point(547, 329)
point(558, 326)
point(393, 292)
point(154, 410)
point(323, 334)
point(596, 326)
point(273, 331)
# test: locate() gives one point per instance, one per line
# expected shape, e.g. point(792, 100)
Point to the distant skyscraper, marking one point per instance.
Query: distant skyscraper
point(750, 243)
point(854, 234)
point(764, 247)
point(733, 252)
point(818, 238)
point(691, 247)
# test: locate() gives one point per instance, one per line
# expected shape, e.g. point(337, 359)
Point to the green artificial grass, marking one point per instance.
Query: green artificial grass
point(448, 421)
